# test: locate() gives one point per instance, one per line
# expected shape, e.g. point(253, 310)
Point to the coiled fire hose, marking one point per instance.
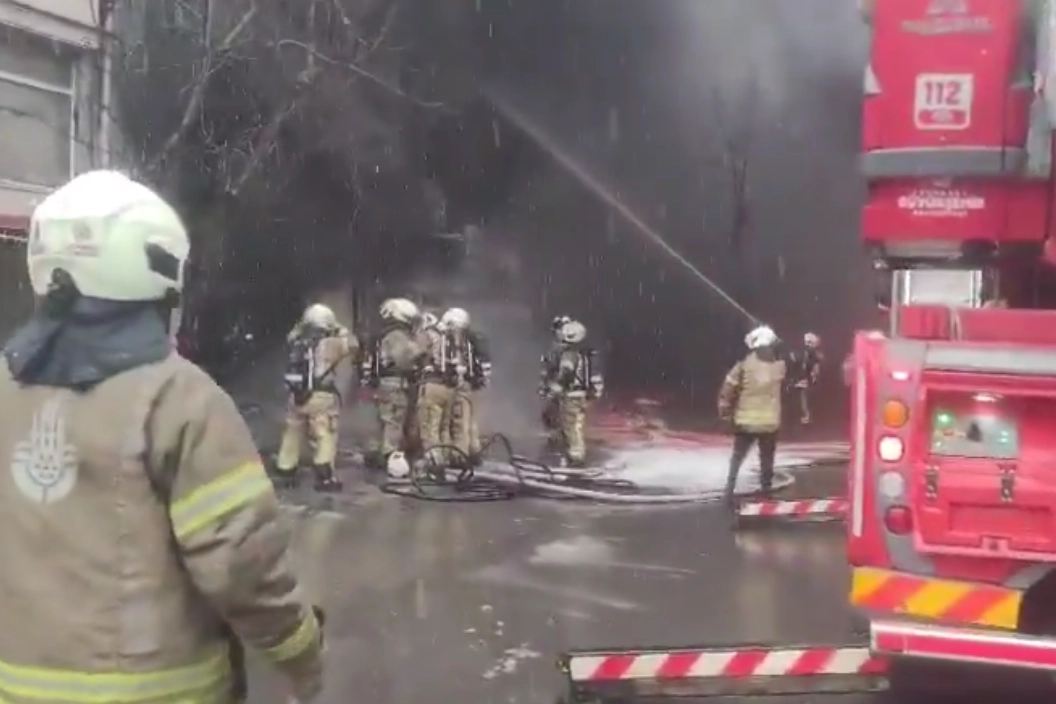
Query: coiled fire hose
point(510, 476)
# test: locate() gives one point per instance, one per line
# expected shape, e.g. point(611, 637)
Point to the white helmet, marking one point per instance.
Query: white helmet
point(455, 319)
point(559, 322)
point(762, 336)
point(402, 310)
point(811, 340)
point(117, 239)
point(573, 332)
point(320, 316)
point(397, 466)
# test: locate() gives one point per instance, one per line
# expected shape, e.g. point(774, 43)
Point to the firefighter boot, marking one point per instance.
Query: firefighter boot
point(284, 478)
point(325, 481)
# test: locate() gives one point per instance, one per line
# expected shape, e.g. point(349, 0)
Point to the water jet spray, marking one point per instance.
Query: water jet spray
point(595, 186)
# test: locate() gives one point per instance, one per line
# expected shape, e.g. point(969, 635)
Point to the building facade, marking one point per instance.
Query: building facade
point(53, 119)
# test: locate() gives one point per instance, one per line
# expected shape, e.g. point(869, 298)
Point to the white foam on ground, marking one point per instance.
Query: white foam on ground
point(573, 551)
point(701, 469)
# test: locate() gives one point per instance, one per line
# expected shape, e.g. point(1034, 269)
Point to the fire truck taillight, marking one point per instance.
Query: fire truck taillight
point(890, 448)
point(898, 520)
point(894, 414)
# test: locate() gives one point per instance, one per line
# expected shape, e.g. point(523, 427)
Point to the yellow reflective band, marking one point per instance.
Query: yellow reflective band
point(113, 687)
point(303, 638)
point(218, 498)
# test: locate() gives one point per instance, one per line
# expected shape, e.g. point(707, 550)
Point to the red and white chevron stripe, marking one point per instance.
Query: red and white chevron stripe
point(750, 662)
point(793, 509)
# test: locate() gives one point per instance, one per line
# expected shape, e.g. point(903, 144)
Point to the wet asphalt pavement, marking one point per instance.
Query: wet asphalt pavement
point(457, 602)
point(430, 603)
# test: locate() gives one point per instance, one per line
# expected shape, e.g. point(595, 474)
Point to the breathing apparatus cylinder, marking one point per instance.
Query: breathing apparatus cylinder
point(369, 364)
point(479, 370)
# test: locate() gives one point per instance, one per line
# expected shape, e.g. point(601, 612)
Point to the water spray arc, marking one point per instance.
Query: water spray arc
point(595, 186)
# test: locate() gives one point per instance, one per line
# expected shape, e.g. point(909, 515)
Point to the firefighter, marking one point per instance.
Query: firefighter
point(750, 398)
point(573, 382)
point(435, 396)
point(549, 363)
point(143, 532)
point(393, 363)
point(317, 345)
point(807, 368)
point(469, 370)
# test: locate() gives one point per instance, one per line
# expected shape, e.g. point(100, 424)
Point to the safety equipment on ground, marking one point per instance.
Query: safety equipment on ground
point(455, 319)
point(116, 239)
point(761, 337)
point(811, 340)
point(573, 332)
point(397, 466)
point(400, 310)
point(320, 316)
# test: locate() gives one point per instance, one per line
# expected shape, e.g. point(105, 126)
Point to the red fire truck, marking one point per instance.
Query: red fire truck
point(951, 506)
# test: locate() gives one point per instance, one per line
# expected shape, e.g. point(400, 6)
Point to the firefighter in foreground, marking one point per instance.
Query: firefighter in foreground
point(469, 369)
point(317, 345)
point(550, 415)
point(750, 398)
point(140, 526)
point(390, 370)
point(573, 379)
point(807, 365)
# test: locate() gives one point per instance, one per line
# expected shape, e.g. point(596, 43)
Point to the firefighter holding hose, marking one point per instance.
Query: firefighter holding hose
point(572, 382)
point(548, 366)
point(750, 399)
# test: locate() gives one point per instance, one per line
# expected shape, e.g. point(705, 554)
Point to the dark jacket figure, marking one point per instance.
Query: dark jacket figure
point(750, 398)
point(806, 369)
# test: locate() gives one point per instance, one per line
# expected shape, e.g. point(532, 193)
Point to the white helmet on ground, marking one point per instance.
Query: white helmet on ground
point(117, 239)
point(573, 332)
point(455, 319)
point(811, 340)
point(397, 466)
point(762, 336)
point(402, 310)
point(320, 316)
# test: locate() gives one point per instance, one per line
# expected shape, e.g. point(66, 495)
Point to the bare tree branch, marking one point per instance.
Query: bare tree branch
point(191, 113)
point(265, 146)
point(362, 72)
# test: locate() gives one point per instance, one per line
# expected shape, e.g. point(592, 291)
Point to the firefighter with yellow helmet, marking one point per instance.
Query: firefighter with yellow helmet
point(141, 531)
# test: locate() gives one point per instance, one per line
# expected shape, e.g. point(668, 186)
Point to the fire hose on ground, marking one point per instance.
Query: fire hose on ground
point(511, 476)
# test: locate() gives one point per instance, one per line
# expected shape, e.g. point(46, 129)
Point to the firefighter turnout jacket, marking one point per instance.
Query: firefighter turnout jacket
point(140, 527)
point(751, 394)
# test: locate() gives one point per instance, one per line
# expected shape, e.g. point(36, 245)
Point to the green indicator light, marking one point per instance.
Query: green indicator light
point(943, 418)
